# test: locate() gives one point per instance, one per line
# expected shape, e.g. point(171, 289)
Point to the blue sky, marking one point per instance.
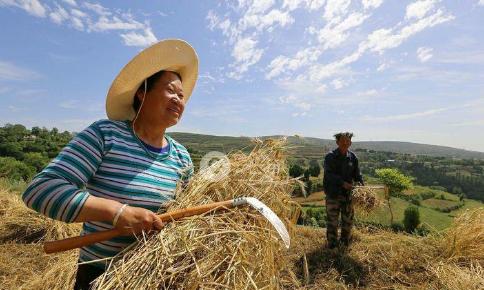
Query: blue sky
point(386, 70)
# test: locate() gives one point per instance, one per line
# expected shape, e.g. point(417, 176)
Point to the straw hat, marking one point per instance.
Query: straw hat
point(171, 55)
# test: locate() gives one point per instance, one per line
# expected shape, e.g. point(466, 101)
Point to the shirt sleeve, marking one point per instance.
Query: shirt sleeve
point(59, 191)
point(357, 174)
point(330, 173)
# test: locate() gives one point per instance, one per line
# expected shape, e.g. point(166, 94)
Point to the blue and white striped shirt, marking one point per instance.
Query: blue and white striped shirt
point(107, 160)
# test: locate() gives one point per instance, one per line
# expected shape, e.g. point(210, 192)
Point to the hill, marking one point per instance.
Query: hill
point(317, 145)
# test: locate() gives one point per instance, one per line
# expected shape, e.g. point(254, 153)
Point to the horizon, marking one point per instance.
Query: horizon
point(298, 136)
point(409, 71)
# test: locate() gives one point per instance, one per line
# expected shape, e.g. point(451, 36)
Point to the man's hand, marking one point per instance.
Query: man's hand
point(137, 219)
point(347, 186)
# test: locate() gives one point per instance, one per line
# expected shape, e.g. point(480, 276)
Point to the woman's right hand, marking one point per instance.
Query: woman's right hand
point(136, 219)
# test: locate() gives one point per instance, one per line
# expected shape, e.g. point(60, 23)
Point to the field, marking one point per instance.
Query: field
point(432, 218)
point(378, 259)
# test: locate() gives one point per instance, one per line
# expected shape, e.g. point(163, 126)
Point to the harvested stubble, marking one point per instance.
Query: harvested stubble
point(236, 249)
point(452, 276)
point(23, 225)
point(463, 242)
point(26, 266)
point(365, 199)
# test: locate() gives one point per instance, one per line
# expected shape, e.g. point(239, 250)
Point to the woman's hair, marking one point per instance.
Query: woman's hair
point(150, 83)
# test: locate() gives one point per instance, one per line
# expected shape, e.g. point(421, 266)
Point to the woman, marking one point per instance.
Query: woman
point(117, 173)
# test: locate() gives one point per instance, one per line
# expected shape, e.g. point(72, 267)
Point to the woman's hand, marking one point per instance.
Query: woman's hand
point(137, 219)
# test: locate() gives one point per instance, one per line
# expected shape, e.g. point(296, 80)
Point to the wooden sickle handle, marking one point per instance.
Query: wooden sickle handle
point(89, 239)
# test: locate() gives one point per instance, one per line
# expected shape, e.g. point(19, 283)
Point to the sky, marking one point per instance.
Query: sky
point(383, 69)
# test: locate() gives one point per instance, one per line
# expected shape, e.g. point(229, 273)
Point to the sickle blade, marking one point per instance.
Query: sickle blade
point(271, 217)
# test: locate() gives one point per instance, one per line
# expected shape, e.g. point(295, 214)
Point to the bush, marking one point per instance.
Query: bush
point(436, 187)
point(397, 227)
point(313, 222)
point(411, 218)
point(427, 195)
point(422, 230)
point(415, 202)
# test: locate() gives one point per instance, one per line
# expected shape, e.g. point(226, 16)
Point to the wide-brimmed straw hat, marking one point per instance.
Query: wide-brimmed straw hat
point(170, 55)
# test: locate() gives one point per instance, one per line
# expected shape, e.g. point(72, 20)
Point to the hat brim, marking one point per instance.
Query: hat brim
point(170, 55)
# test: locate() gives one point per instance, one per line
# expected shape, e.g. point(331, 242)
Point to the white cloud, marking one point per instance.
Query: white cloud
point(11, 72)
point(311, 5)
point(265, 21)
point(383, 66)
point(283, 64)
point(245, 53)
point(338, 84)
point(115, 23)
point(139, 39)
point(335, 33)
point(90, 17)
point(419, 9)
point(33, 7)
point(212, 19)
point(383, 39)
point(368, 4)
point(258, 6)
point(71, 2)
point(97, 8)
point(368, 93)
point(295, 102)
point(335, 9)
point(424, 53)
point(480, 3)
point(401, 117)
point(59, 15)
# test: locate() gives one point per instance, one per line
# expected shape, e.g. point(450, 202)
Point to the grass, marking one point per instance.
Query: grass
point(438, 203)
point(417, 189)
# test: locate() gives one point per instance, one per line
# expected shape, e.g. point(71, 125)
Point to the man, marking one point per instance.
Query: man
point(341, 171)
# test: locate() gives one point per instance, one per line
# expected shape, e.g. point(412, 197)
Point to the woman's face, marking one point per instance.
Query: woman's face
point(165, 102)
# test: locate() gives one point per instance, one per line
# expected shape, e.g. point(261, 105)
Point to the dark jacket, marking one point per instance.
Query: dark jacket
point(339, 168)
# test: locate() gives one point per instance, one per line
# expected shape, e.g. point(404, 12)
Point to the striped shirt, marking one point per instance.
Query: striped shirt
point(107, 160)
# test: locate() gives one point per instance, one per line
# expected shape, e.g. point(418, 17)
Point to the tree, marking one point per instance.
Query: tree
point(306, 175)
point(411, 218)
point(12, 149)
point(314, 168)
point(296, 170)
point(395, 182)
point(36, 160)
point(15, 170)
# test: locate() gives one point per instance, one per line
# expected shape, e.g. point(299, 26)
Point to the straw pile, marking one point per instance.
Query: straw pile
point(23, 225)
point(23, 265)
point(237, 249)
point(463, 242)
point(365, 198)
point(451, 277)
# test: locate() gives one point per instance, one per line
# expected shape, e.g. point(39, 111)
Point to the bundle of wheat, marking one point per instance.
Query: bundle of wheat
point(365, 198)
point(236, 249)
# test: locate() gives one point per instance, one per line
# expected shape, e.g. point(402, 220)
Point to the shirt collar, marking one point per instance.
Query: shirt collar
point(338, 153)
